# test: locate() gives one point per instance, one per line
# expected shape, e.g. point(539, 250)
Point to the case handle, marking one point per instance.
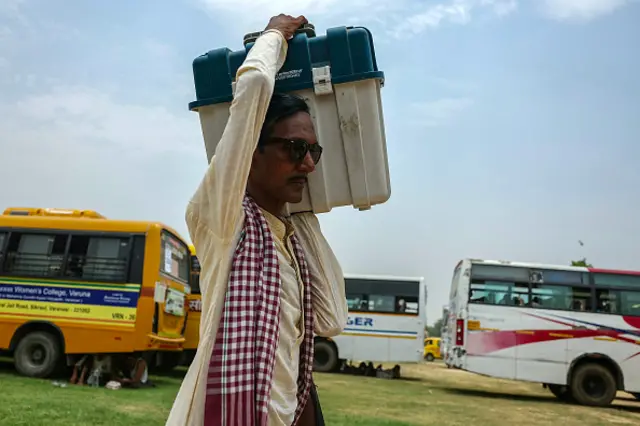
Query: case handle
point(308, 29)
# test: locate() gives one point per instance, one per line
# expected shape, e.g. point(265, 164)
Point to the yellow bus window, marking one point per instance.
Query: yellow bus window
point(39, 255)
point(89, 258)
point(3, 238)
point(98, 258)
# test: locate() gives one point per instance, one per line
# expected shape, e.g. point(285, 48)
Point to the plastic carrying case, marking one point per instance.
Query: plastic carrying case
point(338, 76)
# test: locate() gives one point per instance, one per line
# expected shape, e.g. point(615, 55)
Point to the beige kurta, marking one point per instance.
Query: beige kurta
point(284, 388)
point(215, 218)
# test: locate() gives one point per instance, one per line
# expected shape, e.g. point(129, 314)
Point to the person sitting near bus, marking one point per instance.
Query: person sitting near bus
point(97, 367)
point(82, 366)
point(136, 372)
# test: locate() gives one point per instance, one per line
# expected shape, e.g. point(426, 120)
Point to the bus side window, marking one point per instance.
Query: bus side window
point(98, 258)
point(607, 301)
point(136, 262)
point(381, 303)
point(3, 237)
point(520, 294)
point(35, 255)
point(356, 302)
point(561, 297)
point(491, 293)
point(581, 298)
point(630, 303)
point(406, 305)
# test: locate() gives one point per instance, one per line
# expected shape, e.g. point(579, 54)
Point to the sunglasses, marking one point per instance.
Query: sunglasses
point(298, 149)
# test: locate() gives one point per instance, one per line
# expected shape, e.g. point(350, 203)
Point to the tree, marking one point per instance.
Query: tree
point(435, 329)
point(581, 262)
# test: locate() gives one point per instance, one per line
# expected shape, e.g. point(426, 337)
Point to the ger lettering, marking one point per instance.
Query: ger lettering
point(361, 321)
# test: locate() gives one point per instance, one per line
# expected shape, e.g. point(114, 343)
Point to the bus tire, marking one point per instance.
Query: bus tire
point(593, 385)
point(325, 357)
point(430, 357)
point(37, 354)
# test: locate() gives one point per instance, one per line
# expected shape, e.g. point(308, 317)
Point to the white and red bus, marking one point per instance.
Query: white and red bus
point(575, 330)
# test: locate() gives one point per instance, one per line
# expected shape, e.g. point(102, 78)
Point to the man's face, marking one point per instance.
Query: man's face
point(273, 171)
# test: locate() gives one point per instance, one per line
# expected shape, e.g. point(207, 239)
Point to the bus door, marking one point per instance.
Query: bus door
point(492, 320)
point(170, 308)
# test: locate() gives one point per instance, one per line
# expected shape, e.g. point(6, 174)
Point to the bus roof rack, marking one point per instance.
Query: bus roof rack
point(55, 212)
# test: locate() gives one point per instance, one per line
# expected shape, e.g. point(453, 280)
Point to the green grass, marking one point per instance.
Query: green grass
point(431, 395)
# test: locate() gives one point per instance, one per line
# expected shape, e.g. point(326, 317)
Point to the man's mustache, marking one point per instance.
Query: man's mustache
point(297, 178)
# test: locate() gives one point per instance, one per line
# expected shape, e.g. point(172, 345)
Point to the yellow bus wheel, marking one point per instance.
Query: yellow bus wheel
point(37, 354)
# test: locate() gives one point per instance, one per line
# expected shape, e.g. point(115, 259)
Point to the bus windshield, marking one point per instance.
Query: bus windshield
point(174, 257)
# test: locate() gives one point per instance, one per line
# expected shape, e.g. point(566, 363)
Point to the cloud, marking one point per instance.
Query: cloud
point(453, 12)
point(78, 147)
point(314, 10)
point(501, 7)
point(581, 10)
point(440, 112)
point(271, 7)
point(10, 8)
point(406, 18)
point(434, 16)
point(84, 116)
point(158, 49)
point(11, 13)
point(402, 18)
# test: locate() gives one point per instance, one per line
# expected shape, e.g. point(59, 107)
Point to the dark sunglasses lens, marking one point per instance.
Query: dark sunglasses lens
point(316, 152)
point(298, 150)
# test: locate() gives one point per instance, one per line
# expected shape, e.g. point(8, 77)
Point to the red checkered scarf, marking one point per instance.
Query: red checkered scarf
point(241, 367)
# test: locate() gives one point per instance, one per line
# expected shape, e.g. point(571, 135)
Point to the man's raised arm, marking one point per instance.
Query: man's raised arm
point(216, 207)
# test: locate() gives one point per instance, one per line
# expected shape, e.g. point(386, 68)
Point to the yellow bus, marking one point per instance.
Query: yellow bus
point(73, 282)
point(192, 331)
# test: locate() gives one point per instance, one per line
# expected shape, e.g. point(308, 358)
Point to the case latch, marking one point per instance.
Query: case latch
point(322, 80)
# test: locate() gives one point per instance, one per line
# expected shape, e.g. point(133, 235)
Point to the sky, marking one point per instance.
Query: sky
point(512, 125)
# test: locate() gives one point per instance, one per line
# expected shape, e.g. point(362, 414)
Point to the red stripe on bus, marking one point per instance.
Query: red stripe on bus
point(632, 321)
point(487, 342)
point(147, 291)
point(613, 271)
